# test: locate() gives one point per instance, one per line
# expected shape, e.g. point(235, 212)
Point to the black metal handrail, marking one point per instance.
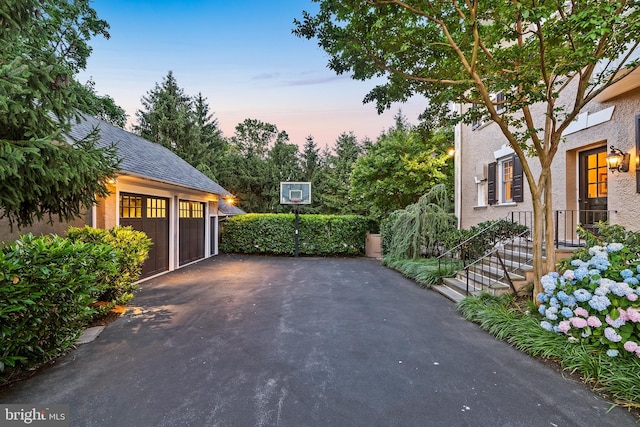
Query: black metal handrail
point(519, 256)
point(566, 223)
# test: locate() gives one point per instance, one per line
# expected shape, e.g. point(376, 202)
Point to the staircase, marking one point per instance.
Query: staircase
point(503, 269)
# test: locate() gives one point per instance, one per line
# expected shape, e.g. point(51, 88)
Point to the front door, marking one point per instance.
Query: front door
point(593, 187)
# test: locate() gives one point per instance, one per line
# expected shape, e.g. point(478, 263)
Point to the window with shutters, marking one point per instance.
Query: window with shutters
point(504, 181)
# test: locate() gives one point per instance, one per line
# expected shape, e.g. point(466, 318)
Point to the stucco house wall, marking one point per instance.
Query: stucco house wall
point(604, 122)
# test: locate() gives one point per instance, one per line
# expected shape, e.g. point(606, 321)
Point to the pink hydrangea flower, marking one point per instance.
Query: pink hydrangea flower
point(564, 326)
point(581, 312)
point(578, 322)
point(632, 297)
point(631, 346)
point(594, 322)
point(632, 315)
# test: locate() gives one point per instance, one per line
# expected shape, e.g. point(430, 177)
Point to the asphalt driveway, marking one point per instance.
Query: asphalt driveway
point(263, 341)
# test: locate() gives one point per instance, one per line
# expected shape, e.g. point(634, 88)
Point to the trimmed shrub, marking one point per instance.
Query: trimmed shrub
point(47, 285)
point(496, 231)
point(132, 248)
point(274, 234)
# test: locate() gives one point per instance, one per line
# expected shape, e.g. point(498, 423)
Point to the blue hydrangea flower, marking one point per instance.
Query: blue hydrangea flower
point(546, 326)
point(562, 296)
point(553, 302)
point(571, 301)
point(548, 283)
point(599, 302)
point(582, 295)
point(614, 247)
point(581, 272)
point(542, 297)
point(596, 251)
point(542, 309)
point(601, 263)
point(551, 313)
point(580, 263)
point(620, 288)
point(626, 273)
point(632, 281)
point(566, 312)
point(612, 335)
point(612, 352)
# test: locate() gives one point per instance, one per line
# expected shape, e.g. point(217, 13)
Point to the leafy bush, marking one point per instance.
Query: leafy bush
point(47, 285)
point(132, 248)
point(488, 234)
point(274, 234)
point(595, 299)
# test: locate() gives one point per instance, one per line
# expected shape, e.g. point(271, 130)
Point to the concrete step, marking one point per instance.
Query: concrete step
point(448, 292)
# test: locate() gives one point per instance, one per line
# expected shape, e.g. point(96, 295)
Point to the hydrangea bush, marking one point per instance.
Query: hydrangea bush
point(595, 299)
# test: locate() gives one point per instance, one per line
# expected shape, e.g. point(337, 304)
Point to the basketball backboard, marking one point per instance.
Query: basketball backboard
point(295, 193)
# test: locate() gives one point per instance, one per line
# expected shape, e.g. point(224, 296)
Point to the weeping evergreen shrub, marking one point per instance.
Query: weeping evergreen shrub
point(425, 228)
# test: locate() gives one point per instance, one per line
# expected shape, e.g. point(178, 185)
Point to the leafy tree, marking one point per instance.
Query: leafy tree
point(558, 55)
point(248, 172)
point(396, 170)
point(43, 45)
point(283, 164)
point(100, 106)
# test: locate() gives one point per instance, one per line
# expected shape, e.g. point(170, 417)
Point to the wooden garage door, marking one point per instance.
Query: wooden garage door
point(191, 231)
point(150, 215)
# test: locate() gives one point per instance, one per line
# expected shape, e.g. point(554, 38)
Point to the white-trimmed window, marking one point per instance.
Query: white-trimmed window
point(505, 180)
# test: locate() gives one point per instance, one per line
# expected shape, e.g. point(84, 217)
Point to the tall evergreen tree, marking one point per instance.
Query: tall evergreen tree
point(182, 124)
point(336, 198)
point(166, 117)
point(43, 45)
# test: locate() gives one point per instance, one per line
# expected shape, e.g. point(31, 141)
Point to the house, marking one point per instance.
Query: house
point(157, 192)
point(490, 184)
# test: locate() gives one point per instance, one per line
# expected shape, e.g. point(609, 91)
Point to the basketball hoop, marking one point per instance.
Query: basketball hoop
point(295, 200)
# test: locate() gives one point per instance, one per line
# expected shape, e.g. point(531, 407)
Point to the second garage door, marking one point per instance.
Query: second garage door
point(191, 231)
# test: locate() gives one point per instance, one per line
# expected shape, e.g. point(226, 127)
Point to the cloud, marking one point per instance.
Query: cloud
point(315, 81)
point(265, 76)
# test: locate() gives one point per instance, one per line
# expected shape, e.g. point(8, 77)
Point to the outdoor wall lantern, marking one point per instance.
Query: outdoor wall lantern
point(617, 160)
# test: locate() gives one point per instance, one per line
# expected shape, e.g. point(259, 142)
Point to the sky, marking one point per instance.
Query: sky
point(243, 57)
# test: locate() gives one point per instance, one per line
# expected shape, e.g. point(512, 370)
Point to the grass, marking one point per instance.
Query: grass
point(506, 319)
point(424, 271)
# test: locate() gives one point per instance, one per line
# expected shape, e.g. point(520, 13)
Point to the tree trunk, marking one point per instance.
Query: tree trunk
point(538, 239)
point(550, 227)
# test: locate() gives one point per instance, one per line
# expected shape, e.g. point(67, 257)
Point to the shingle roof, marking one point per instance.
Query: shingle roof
point(227, 209)
point(144, 158)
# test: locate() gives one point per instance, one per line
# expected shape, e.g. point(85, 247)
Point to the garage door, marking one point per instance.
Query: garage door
point(191, 231)
point(150, 215)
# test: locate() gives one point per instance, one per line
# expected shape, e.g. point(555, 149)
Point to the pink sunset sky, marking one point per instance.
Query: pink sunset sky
point(244, 59)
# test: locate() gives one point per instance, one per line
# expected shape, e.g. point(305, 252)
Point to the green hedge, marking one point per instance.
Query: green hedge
point(47, 285)
point(274, 234)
